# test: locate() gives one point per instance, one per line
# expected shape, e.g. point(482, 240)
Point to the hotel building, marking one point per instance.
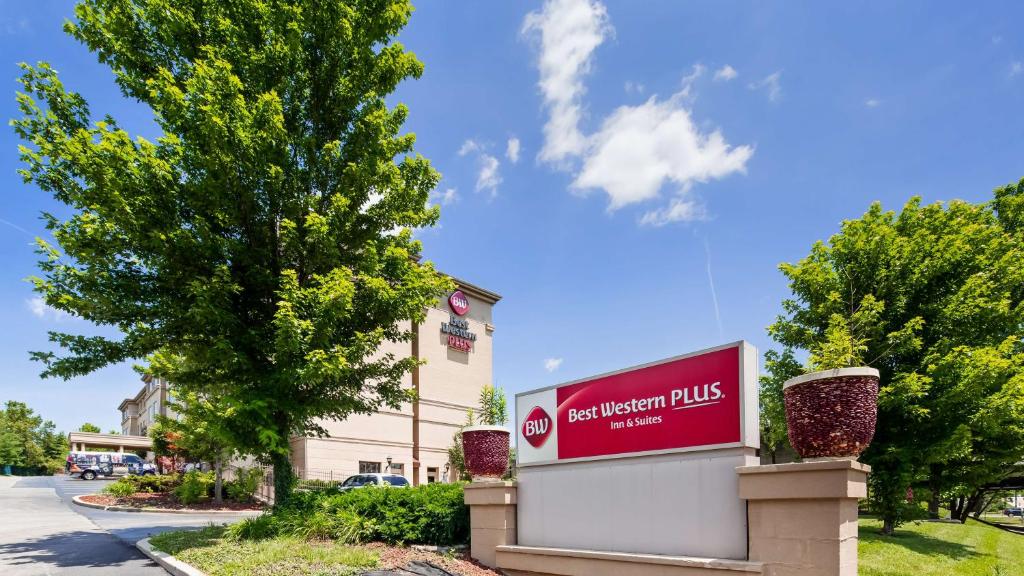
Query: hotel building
point(455, 341)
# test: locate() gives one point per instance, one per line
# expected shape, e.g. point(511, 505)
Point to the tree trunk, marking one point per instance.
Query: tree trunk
point(282, 479)
point(935, 485)
point(218, 483)
point(888, 526)
point(984, 505)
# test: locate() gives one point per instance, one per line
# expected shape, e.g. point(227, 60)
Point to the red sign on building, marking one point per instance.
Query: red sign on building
point(695, 401)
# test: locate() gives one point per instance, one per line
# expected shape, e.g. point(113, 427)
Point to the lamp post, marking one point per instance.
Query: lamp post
point(388, 471)
point(447, 466)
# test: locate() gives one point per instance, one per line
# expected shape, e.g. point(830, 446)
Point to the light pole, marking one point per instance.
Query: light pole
point(388, 471)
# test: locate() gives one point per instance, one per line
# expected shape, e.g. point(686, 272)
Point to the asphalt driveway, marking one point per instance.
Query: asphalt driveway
point(43, 532)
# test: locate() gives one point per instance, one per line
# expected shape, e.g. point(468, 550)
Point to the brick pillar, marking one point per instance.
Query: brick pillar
point(802, 517)
point(492, 518)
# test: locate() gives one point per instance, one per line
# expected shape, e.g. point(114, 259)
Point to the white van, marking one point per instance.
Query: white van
point(90, 465)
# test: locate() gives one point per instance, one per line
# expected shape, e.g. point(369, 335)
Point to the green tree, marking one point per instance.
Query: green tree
point(27, 440)
point(87, 427)
point(203, 433)
point(779, 367)
point(265, 235)
point(928, 296)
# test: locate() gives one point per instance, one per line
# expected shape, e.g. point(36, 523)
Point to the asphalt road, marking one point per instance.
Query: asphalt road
point(43, 532)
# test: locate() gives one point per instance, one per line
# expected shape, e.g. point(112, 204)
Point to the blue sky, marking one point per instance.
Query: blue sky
point(670, 156)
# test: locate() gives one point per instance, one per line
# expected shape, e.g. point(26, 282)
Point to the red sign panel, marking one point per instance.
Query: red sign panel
point(690, 402)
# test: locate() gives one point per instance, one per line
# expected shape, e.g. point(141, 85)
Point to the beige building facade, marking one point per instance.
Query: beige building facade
point(140, 412)
point(456, 343)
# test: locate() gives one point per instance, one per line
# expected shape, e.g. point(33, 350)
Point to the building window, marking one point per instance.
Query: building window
point(397, 468)
point(369, 467)
point(431, 475)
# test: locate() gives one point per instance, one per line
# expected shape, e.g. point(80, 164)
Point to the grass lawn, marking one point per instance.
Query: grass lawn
point(940, 549)
point(207, 550)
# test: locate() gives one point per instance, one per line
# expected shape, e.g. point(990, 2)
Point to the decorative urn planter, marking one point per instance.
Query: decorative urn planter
point(485, 449)
point(832, 413)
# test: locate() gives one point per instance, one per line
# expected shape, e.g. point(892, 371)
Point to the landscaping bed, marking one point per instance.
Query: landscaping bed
point(166, 501)
point(215, 553)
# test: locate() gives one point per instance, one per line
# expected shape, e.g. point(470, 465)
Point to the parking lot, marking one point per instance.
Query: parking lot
point(44, 532)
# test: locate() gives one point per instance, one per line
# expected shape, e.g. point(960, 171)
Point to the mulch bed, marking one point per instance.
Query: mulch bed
point(166, 501)
point(396, 558)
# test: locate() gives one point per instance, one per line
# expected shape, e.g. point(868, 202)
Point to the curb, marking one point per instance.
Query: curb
point(80, 502)
point(169, 563)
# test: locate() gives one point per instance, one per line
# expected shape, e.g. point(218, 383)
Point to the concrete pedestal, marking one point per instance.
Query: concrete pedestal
point(492, 518)
point(802, 517)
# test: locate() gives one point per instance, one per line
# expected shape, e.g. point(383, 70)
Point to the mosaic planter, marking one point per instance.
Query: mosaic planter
point(485, 449)
point(832, 413)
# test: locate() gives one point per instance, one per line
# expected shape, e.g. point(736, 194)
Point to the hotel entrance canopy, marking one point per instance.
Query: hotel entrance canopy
point(83, 441)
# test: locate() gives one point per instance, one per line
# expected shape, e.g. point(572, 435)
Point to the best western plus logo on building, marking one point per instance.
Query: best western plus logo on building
point(690, 402)
point(457, 329)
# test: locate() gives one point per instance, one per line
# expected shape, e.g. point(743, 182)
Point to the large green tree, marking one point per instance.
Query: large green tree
point(934, 298)
point(264, 237)
point(28, 440)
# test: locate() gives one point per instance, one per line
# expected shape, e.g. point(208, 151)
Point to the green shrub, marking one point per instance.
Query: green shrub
point(429, 514)
point(122, 488)
point(246, 481)
point(317, 485)
point(155, 483)
point(258, 528)
point(195, 486)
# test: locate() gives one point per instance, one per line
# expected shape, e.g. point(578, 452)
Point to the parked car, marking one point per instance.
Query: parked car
point(1014, 512)
point(361, 480)
point(91, 465)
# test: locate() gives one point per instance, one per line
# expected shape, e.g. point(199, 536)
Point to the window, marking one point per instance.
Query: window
point(369, 467)
point(431, 475)
point(396, 480)
point(398, 469)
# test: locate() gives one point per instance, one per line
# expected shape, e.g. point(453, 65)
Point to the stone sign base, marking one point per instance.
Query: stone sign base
point(802, 522)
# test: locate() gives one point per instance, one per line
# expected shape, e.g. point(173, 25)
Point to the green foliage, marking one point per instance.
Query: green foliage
point(428, 514)
point(934, 298)
point(121, 488)
point(259, 250)
point(154, 483)
point(244, 485)
point(456, 458)
point(27, 441)
point(195, 487)
point(779, 367)
point(258, 528)
point(493, 411)
point(87, 427)
point(316, 484)
point(214, 551)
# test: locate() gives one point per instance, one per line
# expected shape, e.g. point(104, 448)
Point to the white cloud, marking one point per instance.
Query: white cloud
point(569, 31)
point(634, 87)
point(41, 309)
point(552, 364)
point(1016, 68)
point(725, 73)
point(872, 102)
point(771, 84)
point(512, 150)
point(679, 209)
point(488, 175)
point(637, 150)
point(444, 198)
